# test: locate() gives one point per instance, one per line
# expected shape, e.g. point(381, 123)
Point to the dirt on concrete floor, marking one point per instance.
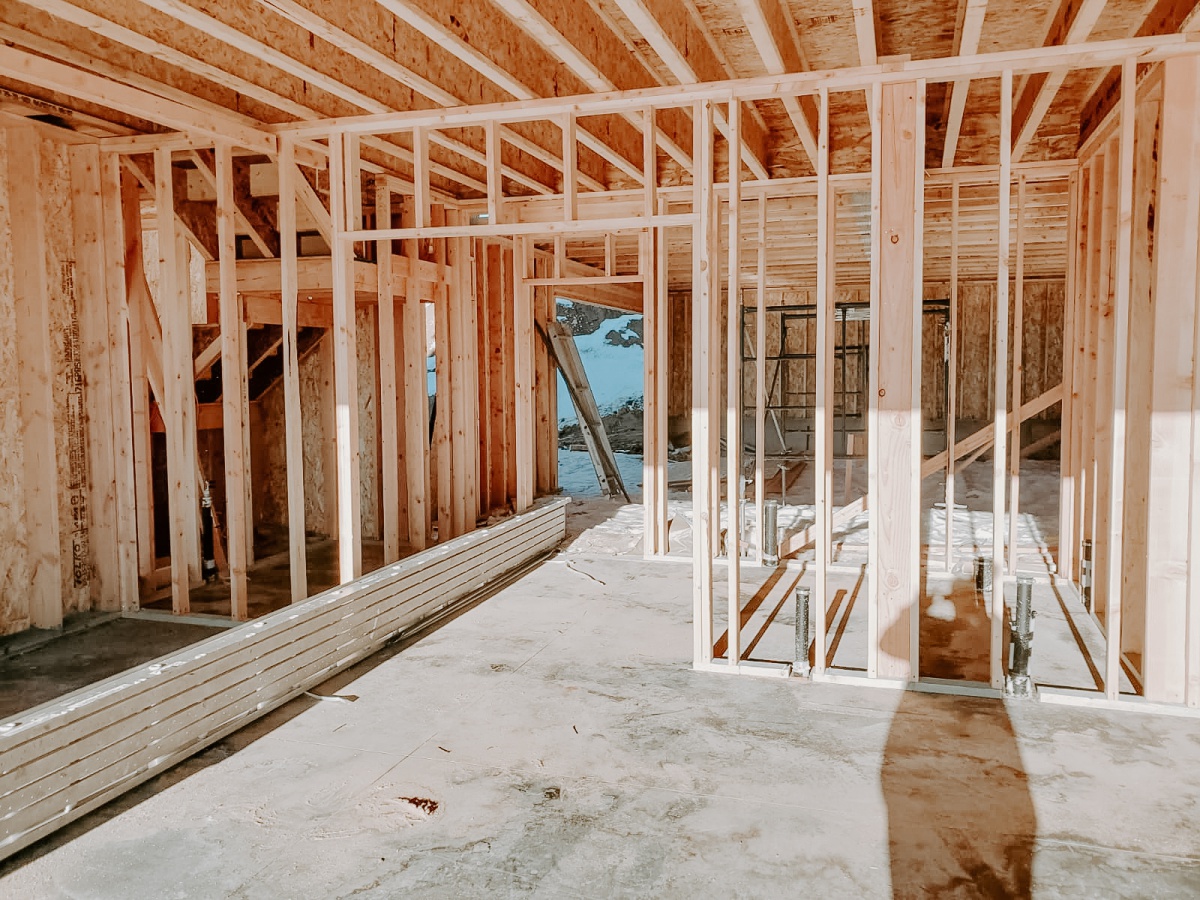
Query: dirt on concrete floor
point(65, 662)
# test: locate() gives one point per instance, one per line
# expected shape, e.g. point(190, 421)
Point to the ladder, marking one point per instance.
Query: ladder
point(561, 343)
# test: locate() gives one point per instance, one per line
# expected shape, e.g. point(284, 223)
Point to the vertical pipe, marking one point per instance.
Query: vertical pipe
point(803, 599)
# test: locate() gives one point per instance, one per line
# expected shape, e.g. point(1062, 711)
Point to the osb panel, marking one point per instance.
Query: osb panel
point(1041, 351)
point(368, 425)
point(316, 389)
point(14, 564)
point(269, 451)
point(923, 28)
point(976, 340)
point(69, 403)
point(270, 456)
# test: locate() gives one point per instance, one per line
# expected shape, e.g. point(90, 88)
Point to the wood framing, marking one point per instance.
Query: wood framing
point(238, 521)
point(1171, 587)
point(292, 413)
point(35, 376)
point(894, 454)
point(344, 201)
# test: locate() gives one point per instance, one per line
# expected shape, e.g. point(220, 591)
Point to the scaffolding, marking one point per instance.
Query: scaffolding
point(791, 373)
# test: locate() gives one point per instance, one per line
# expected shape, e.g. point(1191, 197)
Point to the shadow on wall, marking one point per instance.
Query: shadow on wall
point(961, 821)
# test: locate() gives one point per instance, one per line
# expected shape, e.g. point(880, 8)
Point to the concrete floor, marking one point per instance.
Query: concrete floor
point(554, 742)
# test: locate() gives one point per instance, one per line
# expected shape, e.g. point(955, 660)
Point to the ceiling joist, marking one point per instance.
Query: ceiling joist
point(672, 34)
point(1071, 25)
point(583, 42)
point(56, 76)
point(770, 26)
point(958, 91)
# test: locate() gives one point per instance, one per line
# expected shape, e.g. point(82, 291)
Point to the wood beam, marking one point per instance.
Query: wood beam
point(984, 65)
point(968, 45)
point(894, 432)
point(1072, 24)
point(416, 397)
point(235, 419)
point(523, 374)
point(95, 348)
point(390, 398)
point(55, 76)
point(194, 219)
point(341, 31)
point(517, 66)
point(684, 49)
point(175, 399)
point(248, 215)
point(865, 31)
point(1165, 17)
point(292, 410)
point(733, 403)
point(582, 40)
point(1000, 381)
point(773, 30)
point(120, 378)
point(1171, 589)
point(343, 169)
point(1122, 271)
point(703, 250)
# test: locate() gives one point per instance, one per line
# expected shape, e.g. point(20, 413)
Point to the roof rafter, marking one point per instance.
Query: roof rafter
point(582, 40)
point(1165, 17)
point(76, 14)
point(673, 34)
point(620, 146)
point(957, 91)
point(206, 20)
point(47, 73)
point(771, 28)
point(864, 31)
point(339, 36)
point(1072, 23)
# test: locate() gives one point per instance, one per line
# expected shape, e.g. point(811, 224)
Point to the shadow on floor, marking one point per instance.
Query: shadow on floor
point(961, 821)
point(956, 632)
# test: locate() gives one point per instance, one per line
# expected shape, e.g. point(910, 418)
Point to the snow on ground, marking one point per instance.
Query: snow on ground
point(614, 372)
point(577, 475)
